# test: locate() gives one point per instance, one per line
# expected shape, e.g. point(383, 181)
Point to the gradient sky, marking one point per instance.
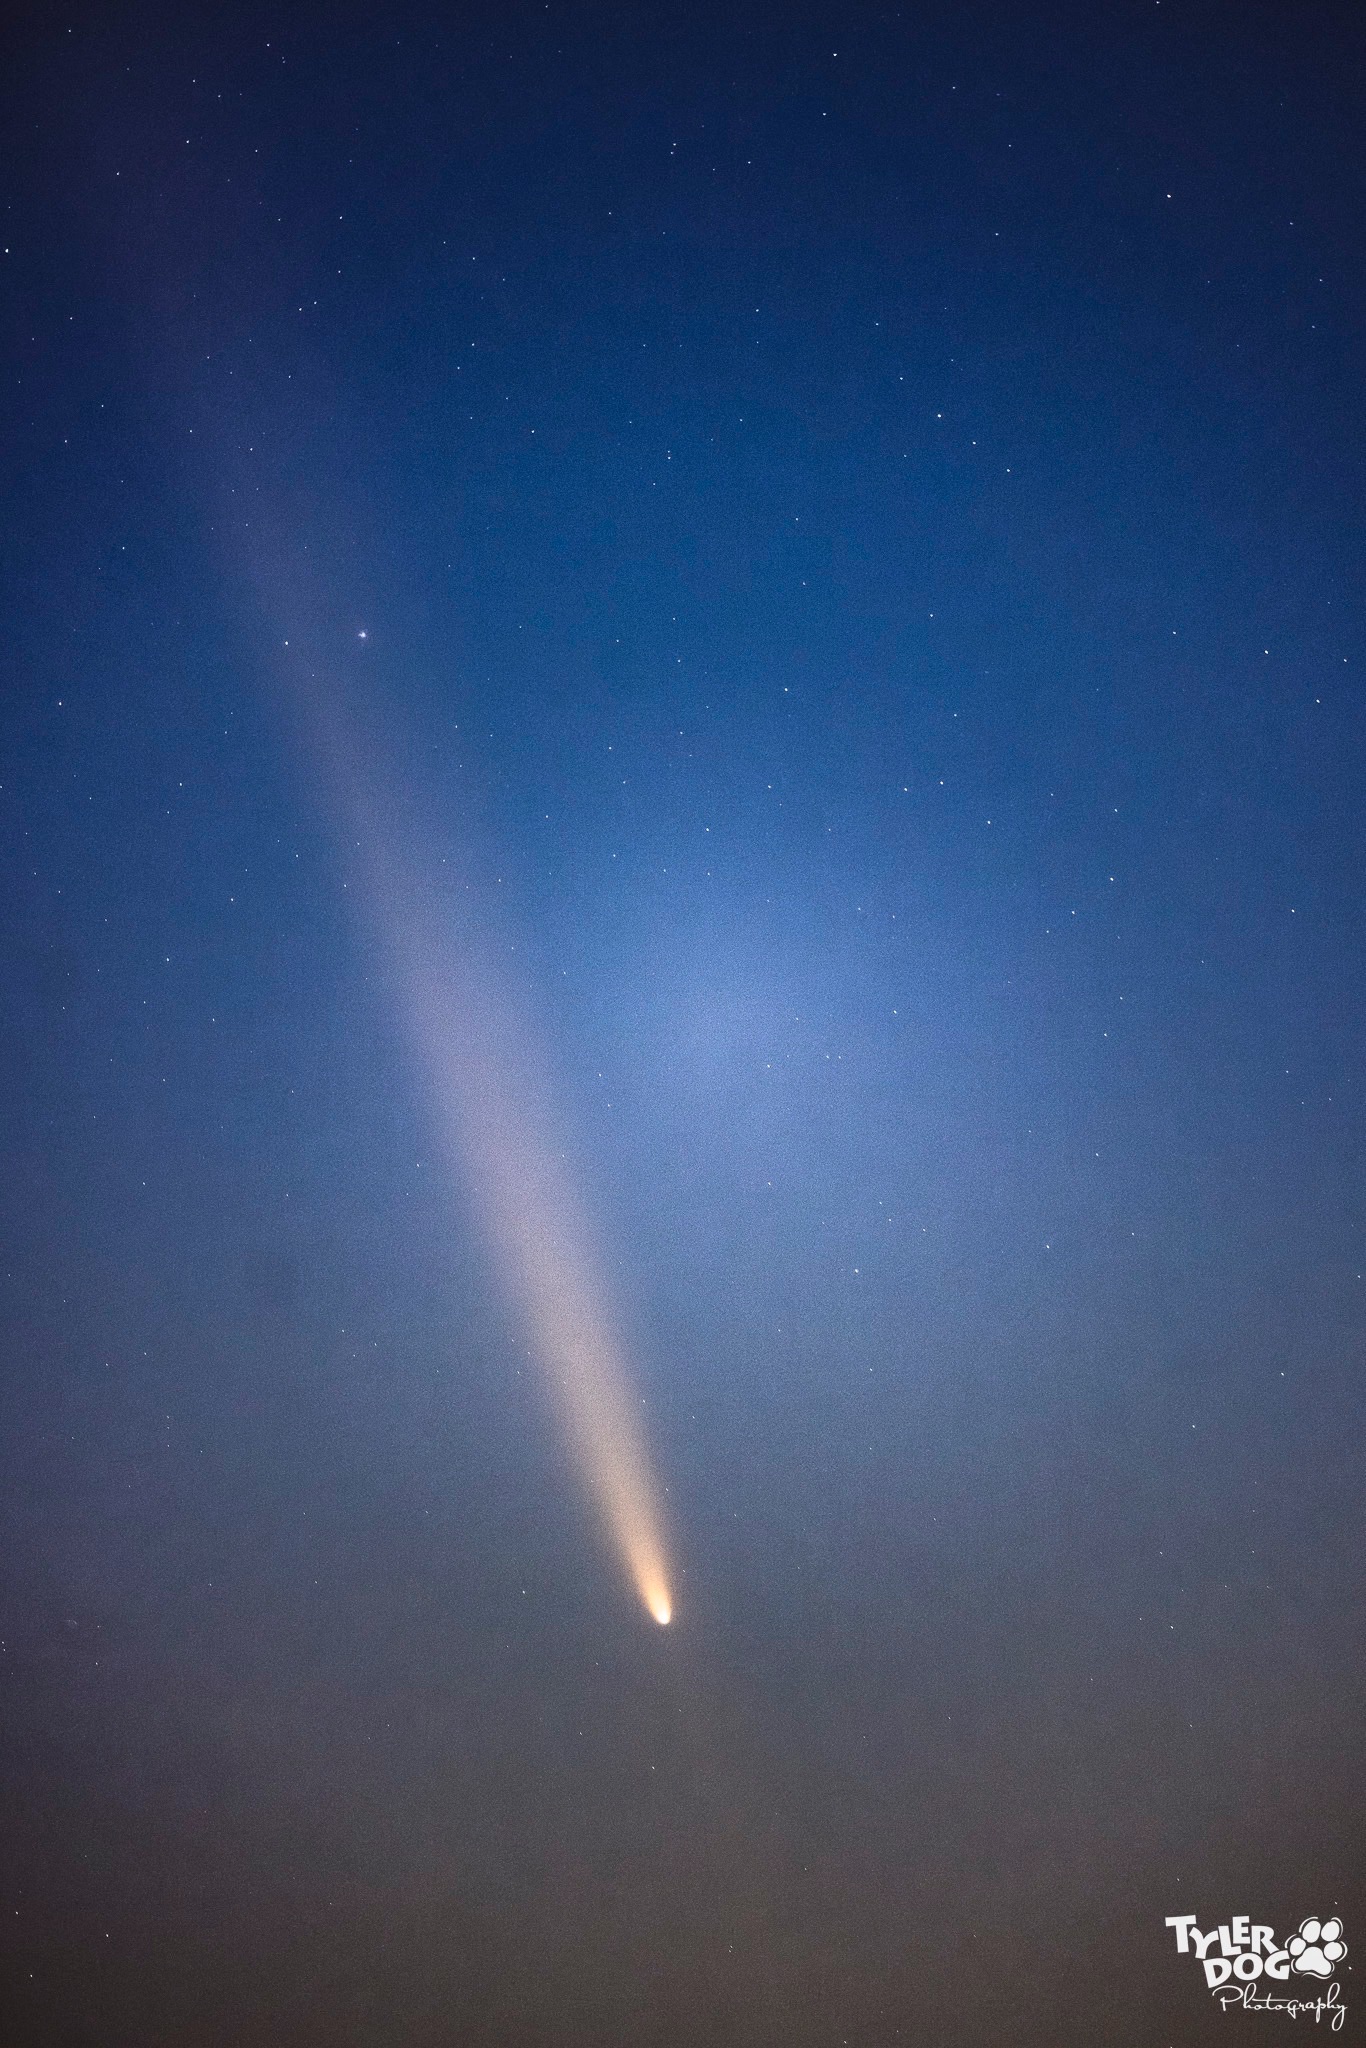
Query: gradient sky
point(836, 538)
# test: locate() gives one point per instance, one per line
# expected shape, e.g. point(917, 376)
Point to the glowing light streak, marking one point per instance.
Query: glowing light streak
point(494, 1126)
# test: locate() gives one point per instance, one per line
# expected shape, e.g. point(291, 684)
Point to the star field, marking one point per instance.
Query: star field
point(816, 556)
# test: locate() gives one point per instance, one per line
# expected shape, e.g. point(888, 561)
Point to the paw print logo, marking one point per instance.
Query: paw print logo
point(1318, 1948)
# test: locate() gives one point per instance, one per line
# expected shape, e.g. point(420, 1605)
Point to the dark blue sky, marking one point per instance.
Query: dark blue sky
point(839, 535)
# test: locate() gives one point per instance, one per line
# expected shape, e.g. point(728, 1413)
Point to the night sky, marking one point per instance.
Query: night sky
point(790, 581)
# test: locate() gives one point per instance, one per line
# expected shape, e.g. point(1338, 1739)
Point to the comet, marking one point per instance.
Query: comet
point(486, 1092)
